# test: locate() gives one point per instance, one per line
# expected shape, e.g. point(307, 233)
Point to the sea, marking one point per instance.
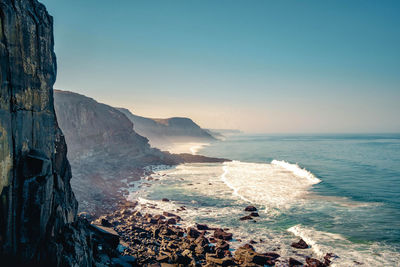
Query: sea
point(338, 192)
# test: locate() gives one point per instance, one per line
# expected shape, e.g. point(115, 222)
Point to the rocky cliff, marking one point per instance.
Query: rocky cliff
point(38, 210)
point(162, 132)
point(106, 154)
point(104, 150)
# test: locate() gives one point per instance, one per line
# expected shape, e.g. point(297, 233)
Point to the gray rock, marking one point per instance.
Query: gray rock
point(38, 210)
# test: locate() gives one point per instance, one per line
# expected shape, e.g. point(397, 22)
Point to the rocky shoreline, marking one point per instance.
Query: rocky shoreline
point(162, 240)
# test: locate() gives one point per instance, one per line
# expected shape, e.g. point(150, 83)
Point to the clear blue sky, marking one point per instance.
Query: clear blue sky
point(260, 66)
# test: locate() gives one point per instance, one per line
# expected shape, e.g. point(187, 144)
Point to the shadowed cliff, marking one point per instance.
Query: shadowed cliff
point(38, 210)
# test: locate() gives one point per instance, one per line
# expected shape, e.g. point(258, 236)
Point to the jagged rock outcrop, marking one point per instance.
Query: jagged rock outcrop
point(163, 132)
point(38, 210)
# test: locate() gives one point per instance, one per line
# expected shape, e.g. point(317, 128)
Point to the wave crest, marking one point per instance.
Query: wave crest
point(274, 185)
point(296, 170)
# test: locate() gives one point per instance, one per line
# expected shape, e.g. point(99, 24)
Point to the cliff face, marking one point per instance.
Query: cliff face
point(92, 127)
point(162, 132)
point(104, 150)
point(38, 223)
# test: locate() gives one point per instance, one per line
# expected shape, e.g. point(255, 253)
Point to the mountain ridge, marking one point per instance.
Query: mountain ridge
point(165, 131)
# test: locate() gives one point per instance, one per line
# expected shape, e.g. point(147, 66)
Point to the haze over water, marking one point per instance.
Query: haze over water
point(265, 66)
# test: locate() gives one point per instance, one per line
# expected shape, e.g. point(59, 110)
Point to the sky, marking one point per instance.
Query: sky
point(258, 66)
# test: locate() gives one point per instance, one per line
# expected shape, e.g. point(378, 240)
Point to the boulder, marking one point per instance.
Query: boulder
point(247, 256)
point(105, 223)
point(250, 208)
point(227, 261)
point(171, 221)
point(202, 227)
point(222, 245)
point(193, 233)
point(245, 218)
point(311, 262)
point(221, 234)
point(328, 258)
point(294, 262)
point(300, 245)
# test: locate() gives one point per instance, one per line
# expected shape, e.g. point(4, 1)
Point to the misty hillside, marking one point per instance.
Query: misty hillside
point(165, 131)
point(103, 148)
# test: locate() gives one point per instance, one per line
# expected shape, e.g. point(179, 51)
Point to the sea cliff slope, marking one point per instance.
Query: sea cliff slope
point(163, 132)
point(106, 153)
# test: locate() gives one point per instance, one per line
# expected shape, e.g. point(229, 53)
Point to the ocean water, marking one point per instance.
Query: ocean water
point(340, 193)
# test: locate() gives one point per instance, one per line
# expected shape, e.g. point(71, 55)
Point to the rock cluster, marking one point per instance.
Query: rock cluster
point(161, 240)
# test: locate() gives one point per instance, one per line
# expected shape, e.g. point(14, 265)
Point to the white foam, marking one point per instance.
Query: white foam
point(296, 170)
point(270, 185)
point(276, 185)
point(348, 253)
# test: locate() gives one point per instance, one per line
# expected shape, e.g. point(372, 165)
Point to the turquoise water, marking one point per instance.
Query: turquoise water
point(363, 168)
point(340, 193)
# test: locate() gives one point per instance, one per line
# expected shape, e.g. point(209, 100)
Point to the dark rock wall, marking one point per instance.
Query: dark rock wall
point(37, 205)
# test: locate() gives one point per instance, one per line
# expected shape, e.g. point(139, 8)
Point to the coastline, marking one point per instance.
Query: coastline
point(163, 239)
point(156, 235)
point(321, 242)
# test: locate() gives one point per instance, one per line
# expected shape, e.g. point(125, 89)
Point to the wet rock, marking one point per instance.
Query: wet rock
point(250, 208)
point(311, 262)
point(245, 218)
point(152, 220)
point(171, 221)
point(159, 217)
point(294, 262)
point(227, 261)
point(221, 234)
point(300, 245)
point(165, 199)
point(222, 245)
point(328, 258)
point(254, 214)
point(137, 214)
point(162, 258)
point(181, 259)
point(246, 255)
point(202, 227)
point(193, 233)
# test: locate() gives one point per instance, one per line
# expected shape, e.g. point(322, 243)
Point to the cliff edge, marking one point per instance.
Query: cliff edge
point(38, 210)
